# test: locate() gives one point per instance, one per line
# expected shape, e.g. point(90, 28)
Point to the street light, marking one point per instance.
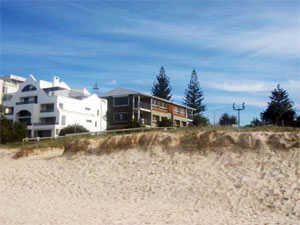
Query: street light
point(238, 109)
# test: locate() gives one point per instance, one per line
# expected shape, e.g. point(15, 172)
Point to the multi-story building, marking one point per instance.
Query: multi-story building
point(9, 84)
point(126, 105)
point(47, 107)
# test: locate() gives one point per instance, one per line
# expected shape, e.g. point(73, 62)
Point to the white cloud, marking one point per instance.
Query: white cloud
point(221, 99)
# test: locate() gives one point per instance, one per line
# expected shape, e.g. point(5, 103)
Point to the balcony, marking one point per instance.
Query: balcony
point(46, 110)
point(29, 102)
point(45, 123)
point(143, 105)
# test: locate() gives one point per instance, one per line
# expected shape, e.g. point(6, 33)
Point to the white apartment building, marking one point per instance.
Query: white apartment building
point(47, 107)
point(9, 84)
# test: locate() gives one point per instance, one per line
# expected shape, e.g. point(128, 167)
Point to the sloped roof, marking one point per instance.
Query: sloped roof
point(119, 92)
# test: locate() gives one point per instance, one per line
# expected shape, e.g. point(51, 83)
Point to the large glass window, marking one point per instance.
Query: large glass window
point(163, 105)
point(121, 117)
point(29, 88)
point(121, 101)
point(154, 102)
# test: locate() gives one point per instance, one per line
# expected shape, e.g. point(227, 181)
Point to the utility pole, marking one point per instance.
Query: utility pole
point(238, 109)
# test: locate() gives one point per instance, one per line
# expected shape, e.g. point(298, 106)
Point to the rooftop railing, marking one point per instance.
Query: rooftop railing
point(28, 102)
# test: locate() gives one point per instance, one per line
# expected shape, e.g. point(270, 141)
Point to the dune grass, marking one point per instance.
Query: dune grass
point(59, 143)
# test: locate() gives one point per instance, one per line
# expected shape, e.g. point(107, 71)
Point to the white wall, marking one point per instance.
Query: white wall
point(74, 109)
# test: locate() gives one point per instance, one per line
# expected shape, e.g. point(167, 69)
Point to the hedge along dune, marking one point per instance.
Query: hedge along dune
point(158, 178)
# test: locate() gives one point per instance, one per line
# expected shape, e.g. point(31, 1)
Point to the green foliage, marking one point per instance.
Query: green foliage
point(280, 110)
point(200, 120)
point(19, 131)
point(165, 122)
point(297, 121)
point(76, 128)
point(256, 122)
point(226, 120)
point(194, 95)
point(161, 87)
point(11, 132)
point(133, 124)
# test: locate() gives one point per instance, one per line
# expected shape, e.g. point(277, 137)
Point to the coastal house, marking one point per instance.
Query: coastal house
point(47, 107)
point(127, 106)
point(9, 84)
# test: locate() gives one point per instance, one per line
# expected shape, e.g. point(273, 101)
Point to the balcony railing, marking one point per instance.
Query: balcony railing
point(45, 123)
point(46, 110)
point(29, 102)
point(143, 105)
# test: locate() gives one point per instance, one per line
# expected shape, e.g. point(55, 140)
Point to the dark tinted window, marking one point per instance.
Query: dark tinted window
point(29, 88)
point(120, 101)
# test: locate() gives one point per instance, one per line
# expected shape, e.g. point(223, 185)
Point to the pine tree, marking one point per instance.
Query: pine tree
point(280, 110)
point(194, 95)
point(161, 87)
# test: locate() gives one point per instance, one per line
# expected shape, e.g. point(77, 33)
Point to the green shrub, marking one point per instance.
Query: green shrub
point(200, 120)
point(71, 129)
point(19, 131)
point(165, 122)
point(133, 124)
point(227, 120)
point(11, 132)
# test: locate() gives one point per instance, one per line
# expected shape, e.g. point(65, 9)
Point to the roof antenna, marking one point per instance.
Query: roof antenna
point(96, 89)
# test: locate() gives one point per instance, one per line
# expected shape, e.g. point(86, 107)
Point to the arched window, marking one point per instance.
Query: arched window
point(29, 88)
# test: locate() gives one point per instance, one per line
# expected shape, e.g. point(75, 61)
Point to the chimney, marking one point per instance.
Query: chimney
point(55, 81)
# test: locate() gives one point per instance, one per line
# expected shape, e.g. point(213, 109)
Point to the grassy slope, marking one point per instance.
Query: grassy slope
point(59, 143)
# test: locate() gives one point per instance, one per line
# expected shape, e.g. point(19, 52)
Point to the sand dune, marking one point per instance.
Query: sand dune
point(156, 178)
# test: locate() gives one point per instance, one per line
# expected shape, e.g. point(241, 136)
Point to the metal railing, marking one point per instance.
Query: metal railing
point(29, 102)
point(45, 123)
point(46, 110)
point(143, 105)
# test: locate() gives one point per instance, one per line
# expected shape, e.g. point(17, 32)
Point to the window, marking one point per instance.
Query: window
point(175, 108)
point(154, 102)
point(95, 124)
point(47, 108)
point(89, 121)
point(183, 110)
point(88, 109)
point(9, 111)
point(121, 117)
point(29, 88)
point(163, 105)
point(155, 118)
point(61, 106)
point(63, 120)
point(121, 101)
point(97, 112)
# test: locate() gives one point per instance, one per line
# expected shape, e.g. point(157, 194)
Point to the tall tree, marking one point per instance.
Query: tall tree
point(161, 87)
point(194, 95)
point(280, 110)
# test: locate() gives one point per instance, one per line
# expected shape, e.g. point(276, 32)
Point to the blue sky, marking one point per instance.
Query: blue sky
point(240, 49)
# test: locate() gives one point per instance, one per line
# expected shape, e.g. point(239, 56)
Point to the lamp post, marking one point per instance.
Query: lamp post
point(238, 109)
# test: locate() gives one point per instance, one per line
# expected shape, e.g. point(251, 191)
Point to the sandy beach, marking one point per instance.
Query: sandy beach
point(135, 185)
